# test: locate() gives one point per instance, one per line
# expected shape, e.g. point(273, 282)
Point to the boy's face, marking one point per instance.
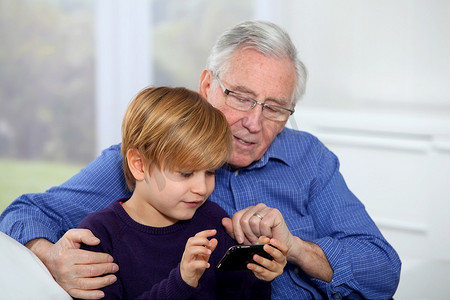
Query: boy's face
point(174, 196)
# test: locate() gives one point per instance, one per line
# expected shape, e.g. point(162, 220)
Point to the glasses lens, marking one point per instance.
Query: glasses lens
point(239, 102)
point(243, 103)
point(275, 113)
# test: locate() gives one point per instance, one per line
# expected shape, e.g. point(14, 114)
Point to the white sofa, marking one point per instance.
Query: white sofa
point(23, 275)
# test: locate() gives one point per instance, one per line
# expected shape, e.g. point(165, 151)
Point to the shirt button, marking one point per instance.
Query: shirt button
point(236, 173)
point(296, 271)
point(337, 296)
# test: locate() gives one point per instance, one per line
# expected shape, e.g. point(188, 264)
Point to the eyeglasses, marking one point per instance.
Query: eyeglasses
point(245, 103)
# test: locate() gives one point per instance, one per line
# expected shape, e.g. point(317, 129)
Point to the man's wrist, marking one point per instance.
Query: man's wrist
point(310, 258)
point(295, 250)
point(39, 247)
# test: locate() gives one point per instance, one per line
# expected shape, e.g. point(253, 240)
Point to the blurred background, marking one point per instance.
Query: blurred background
point(378, 95)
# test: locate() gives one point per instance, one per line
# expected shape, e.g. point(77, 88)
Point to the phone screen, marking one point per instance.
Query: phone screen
point(237, 257)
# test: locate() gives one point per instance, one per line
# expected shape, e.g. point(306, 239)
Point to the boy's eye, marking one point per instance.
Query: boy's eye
point(186, 174)
point(190, 173)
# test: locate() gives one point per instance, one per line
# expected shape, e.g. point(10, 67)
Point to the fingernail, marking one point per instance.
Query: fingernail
point(239, 239)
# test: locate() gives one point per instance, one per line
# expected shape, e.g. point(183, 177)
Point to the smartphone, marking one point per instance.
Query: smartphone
point(237, 257)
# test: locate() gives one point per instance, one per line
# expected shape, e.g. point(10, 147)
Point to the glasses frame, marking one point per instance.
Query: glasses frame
point(255, 102)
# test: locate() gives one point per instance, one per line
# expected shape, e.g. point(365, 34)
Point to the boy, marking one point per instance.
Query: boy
point(167, 238)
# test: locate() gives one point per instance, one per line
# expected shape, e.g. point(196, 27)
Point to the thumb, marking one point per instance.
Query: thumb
point(77, 236)
point(228, 225)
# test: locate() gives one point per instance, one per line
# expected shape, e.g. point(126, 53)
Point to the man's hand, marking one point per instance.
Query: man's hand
point(248, 224)
point(77, 271)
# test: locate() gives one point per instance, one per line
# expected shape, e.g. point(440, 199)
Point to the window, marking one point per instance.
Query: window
point(47, 80)
point(69, 68)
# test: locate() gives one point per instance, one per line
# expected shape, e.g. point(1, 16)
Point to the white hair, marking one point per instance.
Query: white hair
point(264, 37)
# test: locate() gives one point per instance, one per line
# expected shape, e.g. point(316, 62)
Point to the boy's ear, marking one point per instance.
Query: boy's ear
point(136, 164)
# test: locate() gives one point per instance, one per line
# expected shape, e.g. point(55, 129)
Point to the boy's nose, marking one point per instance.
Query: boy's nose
point(199, 185)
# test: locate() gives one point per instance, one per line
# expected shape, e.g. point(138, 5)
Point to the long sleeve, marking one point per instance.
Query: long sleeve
point(364, 264)
point(50, 214)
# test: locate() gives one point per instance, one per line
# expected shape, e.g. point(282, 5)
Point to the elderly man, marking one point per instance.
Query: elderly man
point(277, 182)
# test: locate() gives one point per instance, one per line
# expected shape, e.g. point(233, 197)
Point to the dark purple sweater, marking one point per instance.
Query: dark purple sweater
point(149, 257)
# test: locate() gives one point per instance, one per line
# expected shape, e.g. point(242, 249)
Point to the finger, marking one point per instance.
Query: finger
point(206, 233)
point(198, 241)
point(84, 257)
point(82, 294)
point(266, 224)
point(251, 222)
point(256, 268)
point(94, 283)
point(263, 240)
point(237, 228)
point(264, 262)
point(228, 225)
point(199, 265)
point(267, 269)
point(75, 237)
point(201, 239)
point(95, 270)
point(278, 254)
point(201, 251)
point(281, 246)
point(275, 253)
point(213, 244)
point(260, 272)
point(254, 224)
point(198, 246)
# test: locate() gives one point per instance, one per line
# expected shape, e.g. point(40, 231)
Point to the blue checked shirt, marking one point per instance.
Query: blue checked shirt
point(297, 175)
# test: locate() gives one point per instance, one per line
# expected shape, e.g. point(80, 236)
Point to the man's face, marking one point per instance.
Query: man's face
point(261, 78)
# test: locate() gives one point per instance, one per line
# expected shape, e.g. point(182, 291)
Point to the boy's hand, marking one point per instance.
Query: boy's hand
point(196, 255)
point(270, 269)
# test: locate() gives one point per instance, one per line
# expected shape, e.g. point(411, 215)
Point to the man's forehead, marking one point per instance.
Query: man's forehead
point(258, 75)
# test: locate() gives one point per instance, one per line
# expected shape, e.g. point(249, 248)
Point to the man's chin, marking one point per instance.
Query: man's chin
point(239, 162)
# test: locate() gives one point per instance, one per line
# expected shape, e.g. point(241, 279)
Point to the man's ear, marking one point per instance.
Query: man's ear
point(205, 83)
point(136, 164)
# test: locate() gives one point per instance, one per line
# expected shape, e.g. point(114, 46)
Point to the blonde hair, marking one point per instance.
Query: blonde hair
point(174, 128)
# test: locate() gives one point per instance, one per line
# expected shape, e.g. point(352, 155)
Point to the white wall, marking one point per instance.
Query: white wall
point(389, 54)
point(378, 95)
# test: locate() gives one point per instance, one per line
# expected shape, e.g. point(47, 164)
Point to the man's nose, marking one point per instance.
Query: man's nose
point(253, 119)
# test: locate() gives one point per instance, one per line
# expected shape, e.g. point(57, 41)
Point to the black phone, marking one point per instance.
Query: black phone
point(237, 257)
